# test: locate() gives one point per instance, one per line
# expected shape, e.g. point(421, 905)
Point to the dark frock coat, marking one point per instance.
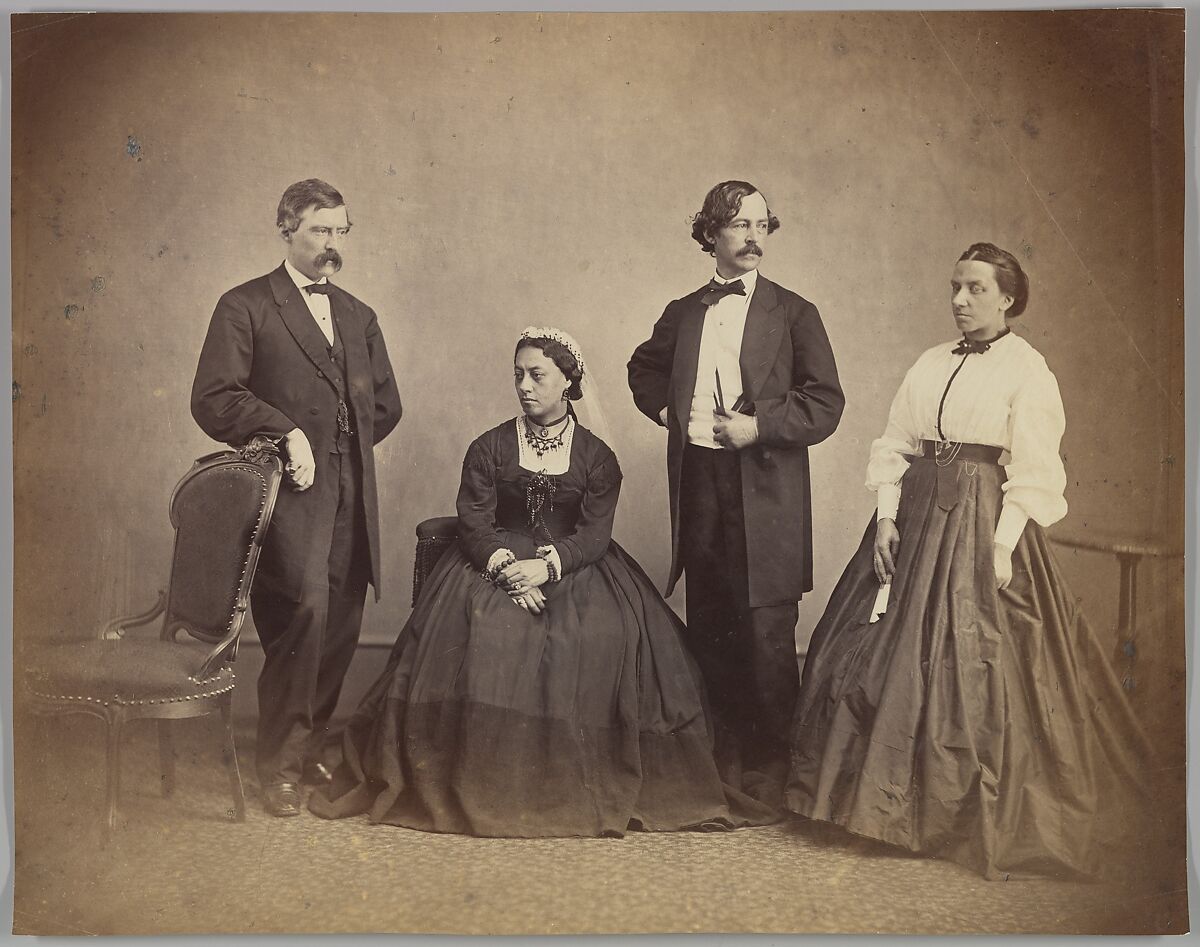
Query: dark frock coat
point(790, 381)
point(265, 368)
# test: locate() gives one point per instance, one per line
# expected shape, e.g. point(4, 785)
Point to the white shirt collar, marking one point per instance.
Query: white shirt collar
point(749, 280)
point(299, 278)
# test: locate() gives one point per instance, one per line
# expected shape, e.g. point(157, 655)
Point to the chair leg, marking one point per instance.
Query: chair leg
point(116, 722)
point(166, 756)
point(229, 751)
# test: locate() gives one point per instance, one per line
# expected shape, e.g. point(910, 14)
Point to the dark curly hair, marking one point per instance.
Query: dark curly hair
point(300, 197)
point(1009, 276)
point(560, 356)
point(721, 206)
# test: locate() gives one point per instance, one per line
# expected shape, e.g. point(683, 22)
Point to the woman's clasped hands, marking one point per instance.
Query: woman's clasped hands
point(523, 580)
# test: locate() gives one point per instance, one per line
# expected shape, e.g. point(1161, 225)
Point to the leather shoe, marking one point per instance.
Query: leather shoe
point(282, 799)
point(316, 773)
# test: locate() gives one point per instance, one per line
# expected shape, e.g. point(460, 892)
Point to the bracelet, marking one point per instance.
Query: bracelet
point(551, 571)
point(493, 574)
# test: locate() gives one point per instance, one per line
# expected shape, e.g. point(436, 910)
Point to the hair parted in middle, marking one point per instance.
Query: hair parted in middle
point(561, 356)
point(721, 206)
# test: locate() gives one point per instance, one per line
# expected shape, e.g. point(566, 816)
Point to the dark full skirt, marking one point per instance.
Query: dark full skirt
point(982, 726)
point(586, 720)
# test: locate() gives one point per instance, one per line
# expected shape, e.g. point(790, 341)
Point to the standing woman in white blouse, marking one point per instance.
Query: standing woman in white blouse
point(954, 700)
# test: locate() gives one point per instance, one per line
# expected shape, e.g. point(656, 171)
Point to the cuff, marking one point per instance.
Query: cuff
point(1011, 525)
point(662, 415)
point(499, 556)
point(888, 501)
point(763, 432)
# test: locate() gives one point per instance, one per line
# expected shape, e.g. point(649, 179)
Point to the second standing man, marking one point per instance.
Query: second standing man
point(741, 374)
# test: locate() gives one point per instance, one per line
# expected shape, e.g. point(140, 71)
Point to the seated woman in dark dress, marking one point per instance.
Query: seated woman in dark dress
point(954, 700)
point(541, 686)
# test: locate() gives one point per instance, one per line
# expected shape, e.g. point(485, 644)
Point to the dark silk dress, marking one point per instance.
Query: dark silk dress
point(586, 720)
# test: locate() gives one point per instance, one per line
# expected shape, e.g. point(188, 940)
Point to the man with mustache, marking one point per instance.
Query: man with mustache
point(741, 374)
point(295, 357)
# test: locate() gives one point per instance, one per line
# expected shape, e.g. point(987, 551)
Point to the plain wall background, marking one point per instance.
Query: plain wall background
point(510, 169)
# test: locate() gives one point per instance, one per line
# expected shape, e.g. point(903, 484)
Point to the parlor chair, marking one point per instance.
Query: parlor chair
point(434, 537)
point(220, 510)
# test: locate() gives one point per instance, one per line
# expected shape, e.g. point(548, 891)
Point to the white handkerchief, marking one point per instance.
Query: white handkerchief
point(881, 601)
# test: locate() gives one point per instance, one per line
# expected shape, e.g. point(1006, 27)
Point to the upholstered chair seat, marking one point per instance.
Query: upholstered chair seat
point(133, 671)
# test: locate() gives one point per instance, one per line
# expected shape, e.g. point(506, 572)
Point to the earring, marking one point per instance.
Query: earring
point(567, 393)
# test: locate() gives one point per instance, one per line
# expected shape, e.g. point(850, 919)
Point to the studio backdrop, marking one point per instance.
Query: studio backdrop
point(502, 170)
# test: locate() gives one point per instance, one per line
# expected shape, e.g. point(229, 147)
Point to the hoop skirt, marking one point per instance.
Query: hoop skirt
point(982, 726)
point(586, 720)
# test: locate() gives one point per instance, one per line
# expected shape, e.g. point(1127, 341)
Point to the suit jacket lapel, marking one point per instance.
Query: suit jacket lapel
point(687, 355)
point(354, 343)
point(300, 322)
point(760, 338)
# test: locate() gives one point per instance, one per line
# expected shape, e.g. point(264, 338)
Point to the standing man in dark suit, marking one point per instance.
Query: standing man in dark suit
point(297, 358)
point(741, 374)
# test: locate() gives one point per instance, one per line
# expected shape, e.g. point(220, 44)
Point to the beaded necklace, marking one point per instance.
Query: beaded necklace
point(539, 438)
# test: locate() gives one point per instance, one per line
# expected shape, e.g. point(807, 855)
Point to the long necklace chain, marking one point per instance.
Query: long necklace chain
point(946, 450)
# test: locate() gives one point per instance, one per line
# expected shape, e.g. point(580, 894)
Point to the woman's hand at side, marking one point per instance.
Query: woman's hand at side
point(887, 548)
point(1002, 561)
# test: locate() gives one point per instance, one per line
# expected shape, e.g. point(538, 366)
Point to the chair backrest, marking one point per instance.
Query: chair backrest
point(434, 537)
point(221, 511)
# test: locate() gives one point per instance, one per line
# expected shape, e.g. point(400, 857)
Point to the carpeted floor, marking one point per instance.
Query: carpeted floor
point(179, 865)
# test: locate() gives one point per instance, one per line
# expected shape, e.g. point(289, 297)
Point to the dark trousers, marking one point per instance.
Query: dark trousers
point(747, 655)
point(309, 639)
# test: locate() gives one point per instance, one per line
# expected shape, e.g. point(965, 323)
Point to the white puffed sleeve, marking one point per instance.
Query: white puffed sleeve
point(890, 453)
point(1036, 477)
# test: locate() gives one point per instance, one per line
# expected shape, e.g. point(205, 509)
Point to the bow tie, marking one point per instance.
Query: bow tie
point(971, 347)
point(320, 288)
point(715, 291)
